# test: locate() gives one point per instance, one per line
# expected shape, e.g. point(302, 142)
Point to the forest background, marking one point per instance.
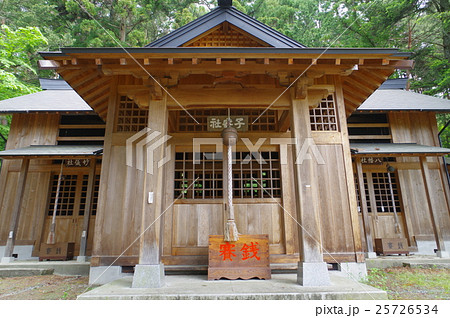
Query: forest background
point(418, 26)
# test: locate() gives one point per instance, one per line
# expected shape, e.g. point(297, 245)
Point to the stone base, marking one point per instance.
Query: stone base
point(313, 274)
point(442, 254)
point(355, 271)
point(148, 276)
point(6, 260)
point(100, 275)
point(370, 255)
point(82, 259)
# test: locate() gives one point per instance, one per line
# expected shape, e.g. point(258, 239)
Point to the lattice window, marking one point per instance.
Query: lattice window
point(185, 123)
point(130, 117)
point(208, 170)
point(383, 194)
point(358, 197)
point(67, 194)
point(230, 38)
point(324, 117)
point(256, 176)
point(84, 189)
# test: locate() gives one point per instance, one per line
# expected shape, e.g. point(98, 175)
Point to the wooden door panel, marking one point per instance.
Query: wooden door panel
point(193, 223)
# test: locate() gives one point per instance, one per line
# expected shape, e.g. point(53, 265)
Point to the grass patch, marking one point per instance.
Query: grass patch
point(405, 283)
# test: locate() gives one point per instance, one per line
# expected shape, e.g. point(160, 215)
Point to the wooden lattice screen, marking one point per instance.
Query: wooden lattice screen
point(72, 195)
point(226, 37)
point(256, 176)
point(67, 194)
point(382, 192)
point(130, 117)
point(324, 117)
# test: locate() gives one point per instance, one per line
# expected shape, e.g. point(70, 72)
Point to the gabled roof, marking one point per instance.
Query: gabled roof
point(58, 96)
point(395, 83)
point(218, 16)
point(393, 149)
point(392, 97)
point(53, 84)
point(53, 151)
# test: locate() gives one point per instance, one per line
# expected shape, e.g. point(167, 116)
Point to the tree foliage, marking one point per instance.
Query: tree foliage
point(419, 26)
point(17, 53)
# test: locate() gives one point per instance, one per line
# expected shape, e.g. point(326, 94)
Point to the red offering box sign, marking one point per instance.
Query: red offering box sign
point(245, 259)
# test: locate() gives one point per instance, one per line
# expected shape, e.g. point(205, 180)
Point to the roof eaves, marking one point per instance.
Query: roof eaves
point(249, 50)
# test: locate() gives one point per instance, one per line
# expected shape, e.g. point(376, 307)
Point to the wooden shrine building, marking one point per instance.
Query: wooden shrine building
point(148, 186)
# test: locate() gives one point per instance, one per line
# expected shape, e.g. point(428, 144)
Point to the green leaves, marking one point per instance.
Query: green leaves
point(17, 49)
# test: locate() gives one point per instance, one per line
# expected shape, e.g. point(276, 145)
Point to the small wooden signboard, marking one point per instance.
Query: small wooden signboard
point(245, 259)
point(58, 251)
point(387, 246)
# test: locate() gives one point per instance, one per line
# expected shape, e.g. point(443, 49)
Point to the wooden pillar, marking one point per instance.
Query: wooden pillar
point(364, 210)
point(150, 272)
point(15, 216)
point(88, 210)
point(312, 269)
point(431, 201)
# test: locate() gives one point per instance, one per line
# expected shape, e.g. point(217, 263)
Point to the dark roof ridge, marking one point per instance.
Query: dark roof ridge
point(218, 16)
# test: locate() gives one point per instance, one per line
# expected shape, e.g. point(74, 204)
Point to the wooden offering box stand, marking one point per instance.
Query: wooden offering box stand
point(389, 246)
point(58, 251)
point(245, 259)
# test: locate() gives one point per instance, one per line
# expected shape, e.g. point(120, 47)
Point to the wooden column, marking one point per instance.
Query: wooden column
point(364, 210)
point(312, 269)
point(15, 215)
point(431, 201)
point(88, 209)
point(154, 186)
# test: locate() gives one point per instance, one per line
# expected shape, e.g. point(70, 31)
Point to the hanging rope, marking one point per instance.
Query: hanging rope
point(229, 136)
point(51, 239)
point(397, 224)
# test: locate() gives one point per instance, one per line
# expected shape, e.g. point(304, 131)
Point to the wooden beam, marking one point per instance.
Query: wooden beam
point(432, 206)
point(363, 206)
point(284, 122)
point(217, 96)
point(88, 206)
point(15, 213)
point(146, 61)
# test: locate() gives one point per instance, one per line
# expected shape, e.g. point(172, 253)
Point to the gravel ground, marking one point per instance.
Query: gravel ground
point(46, 287)
point(399, 282)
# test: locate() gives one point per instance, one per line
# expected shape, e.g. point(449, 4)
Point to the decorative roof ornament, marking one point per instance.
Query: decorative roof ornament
point(225, 3)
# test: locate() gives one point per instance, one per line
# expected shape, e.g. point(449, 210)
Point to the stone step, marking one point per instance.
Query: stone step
point(21, 272)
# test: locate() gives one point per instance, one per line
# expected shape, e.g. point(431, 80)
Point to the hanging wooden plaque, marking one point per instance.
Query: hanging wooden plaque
point(245, 259)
